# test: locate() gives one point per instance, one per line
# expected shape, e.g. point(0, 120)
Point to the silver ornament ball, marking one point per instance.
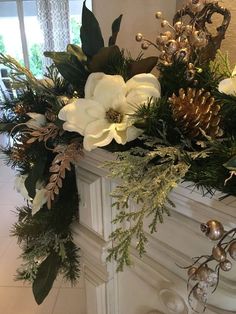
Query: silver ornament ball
point(219, 253)
point(139, 37)
point(144, 45)
point(171, 46)
point(213, 229)
point(232, 250)
point(158, 15)
point(192, 273)
point(226, 265)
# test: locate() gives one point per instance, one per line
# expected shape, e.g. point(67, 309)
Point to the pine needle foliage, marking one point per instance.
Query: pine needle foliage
point(156, 119)
point(209, 174)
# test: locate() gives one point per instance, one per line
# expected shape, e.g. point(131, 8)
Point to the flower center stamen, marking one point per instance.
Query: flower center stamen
point(114, 116)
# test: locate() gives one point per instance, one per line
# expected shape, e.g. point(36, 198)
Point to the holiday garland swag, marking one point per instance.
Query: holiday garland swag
point(178, 126)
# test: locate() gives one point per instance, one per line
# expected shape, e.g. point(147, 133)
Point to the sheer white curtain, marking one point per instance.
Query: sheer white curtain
point(54, 20)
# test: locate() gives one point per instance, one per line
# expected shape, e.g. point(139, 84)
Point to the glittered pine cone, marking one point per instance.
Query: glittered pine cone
point(196, 110)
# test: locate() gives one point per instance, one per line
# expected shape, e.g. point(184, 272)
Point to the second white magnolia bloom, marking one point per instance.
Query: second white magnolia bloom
point(40, 197)
point(37, 120)
point(39, 200)
point(228, 86)
point(104, 113)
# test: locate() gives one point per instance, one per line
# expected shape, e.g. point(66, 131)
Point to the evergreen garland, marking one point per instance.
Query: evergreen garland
point(44, 154)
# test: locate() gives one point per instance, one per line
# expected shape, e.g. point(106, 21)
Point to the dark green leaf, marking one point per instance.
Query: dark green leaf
point(115, 30)
point(142, 66)
point(69, 67)
point(231, 164)
point(77, 51)
point(90, 33)
point(35, 174)
point(45, 277)
point(102, 58)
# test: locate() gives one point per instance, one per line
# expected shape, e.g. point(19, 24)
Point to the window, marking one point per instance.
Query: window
point(20, 34)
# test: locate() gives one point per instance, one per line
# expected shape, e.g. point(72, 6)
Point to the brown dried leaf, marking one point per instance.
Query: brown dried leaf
point(59, 182)
point(63, 173)
point(31, 140)
point(56, 190)
point(67, 165)
point(49, 203)
point(36, 133)
point(54, 168)
point(50, 186)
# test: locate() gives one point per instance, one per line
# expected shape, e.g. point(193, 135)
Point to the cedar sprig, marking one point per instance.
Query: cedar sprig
point(65, 156)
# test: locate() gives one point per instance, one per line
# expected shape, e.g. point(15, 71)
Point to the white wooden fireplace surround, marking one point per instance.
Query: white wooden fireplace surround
point(154, 284)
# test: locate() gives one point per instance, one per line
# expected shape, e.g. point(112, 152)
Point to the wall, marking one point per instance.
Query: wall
point(138, 16)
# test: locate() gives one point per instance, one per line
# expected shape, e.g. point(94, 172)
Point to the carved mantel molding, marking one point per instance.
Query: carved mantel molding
point(175, 243)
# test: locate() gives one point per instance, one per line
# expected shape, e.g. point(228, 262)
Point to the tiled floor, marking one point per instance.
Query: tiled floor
point(16, 298)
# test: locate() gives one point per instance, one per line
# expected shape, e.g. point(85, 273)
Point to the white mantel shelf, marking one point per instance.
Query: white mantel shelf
point(154, 284)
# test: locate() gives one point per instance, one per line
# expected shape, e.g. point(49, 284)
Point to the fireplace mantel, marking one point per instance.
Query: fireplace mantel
point(153, 284)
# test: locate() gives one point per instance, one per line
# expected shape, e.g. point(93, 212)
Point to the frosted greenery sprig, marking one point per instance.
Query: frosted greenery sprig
point(221, 65)
point(20, 75)
point(147, 179)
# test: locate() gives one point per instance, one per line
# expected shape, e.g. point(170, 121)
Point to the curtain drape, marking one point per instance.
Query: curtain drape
point(54, 21)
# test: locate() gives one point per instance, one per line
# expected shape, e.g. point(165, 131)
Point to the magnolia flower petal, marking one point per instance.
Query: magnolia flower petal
point(140, 96)
point(228, 86)
point(120, 136)
point(97, 112)
point(91, 142)
point(146, 79)
point(109, 88)
point(37, 120)
point(76, 115)
point(133, 133)
point(97, 128)
point(91, 83)
point(39, 200)
point(20, 186)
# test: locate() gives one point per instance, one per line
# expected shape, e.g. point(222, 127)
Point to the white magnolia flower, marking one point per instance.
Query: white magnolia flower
point(228, 86)
point(37, 120)
point(104, 113)
point(40, 197)
point(39, 200)
point(20, 186)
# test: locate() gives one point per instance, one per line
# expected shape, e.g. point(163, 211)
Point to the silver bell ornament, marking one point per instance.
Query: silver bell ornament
point(232, 250)
point(213, 229)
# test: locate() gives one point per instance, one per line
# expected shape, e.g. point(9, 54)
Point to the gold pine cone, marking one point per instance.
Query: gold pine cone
point(196, 110)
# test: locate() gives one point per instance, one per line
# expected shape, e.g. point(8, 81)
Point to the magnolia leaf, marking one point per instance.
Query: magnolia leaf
point(102, 58)
point(77, 51)
point(35, 174)
point(69, 67)
point(142, 66)
point(231, 164)
point(90, 33)
point(47, 273)
point(115, 30)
